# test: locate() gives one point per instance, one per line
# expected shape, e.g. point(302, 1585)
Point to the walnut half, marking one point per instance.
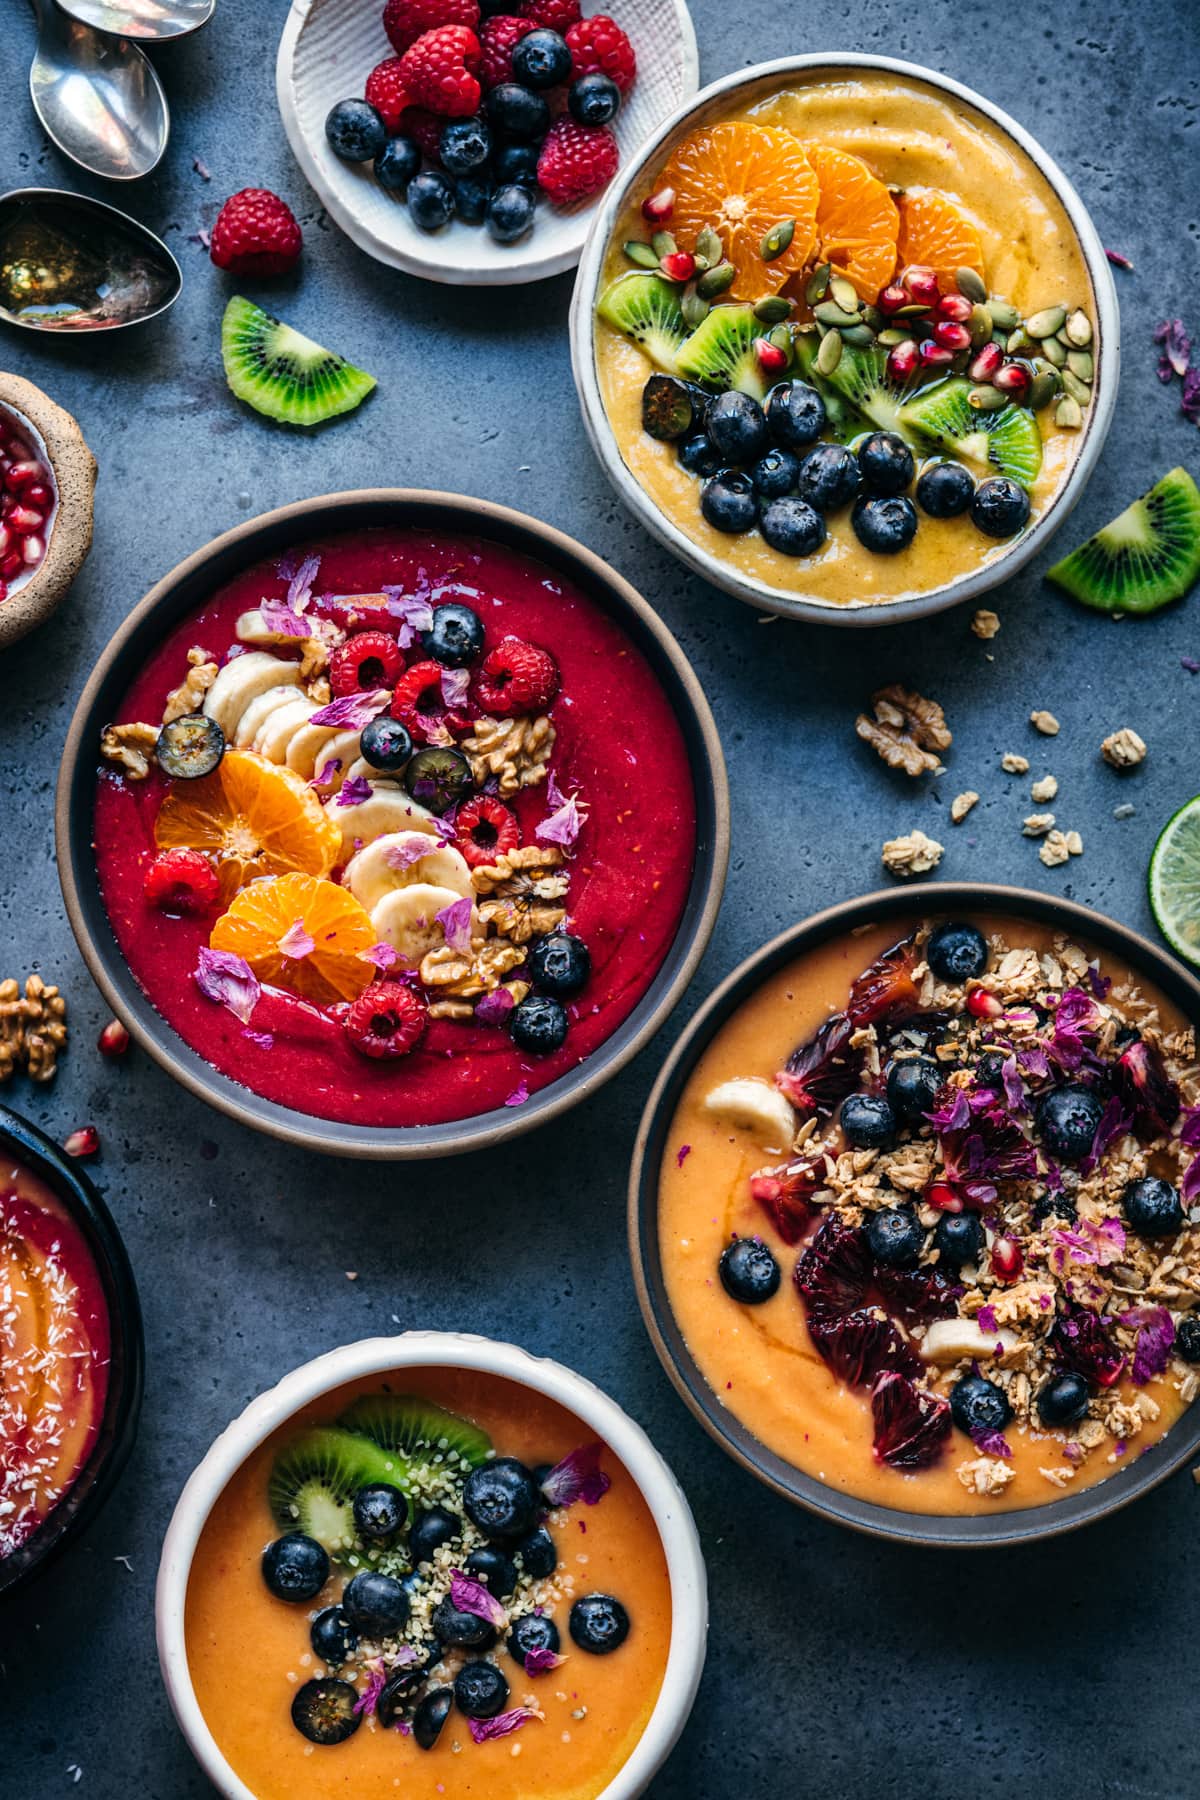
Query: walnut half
point(519, 892)
point(907, 730)
point(33, 1029)
point(188, 697)
point(129, 747)
point(515, 751)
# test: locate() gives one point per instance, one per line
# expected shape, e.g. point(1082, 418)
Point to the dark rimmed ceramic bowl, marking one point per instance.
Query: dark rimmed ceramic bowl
point(118, 1428)
point(270, 535)
point(940, 899)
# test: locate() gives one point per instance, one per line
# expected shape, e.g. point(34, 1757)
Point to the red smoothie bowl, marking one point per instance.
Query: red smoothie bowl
point(499, 856)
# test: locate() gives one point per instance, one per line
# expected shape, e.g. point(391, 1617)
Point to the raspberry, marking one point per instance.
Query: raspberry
point(407, 20)
point(438, 71)
point(181, 881)
point(599, 47)
point(387, 1020)
point(516, 677)
point(485, 829)
point(385, 92)
point(576, 160)
point(552, 15)
point(425, 129)
point(498, 39)
point(369, 660)
point(419, 703)
point(255, 234)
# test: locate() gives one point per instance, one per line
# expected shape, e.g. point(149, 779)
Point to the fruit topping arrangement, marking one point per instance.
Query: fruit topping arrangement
point(990, 1180)
point(27, 501)
point(484, 108)
point(430, 1573)
point(823, 342)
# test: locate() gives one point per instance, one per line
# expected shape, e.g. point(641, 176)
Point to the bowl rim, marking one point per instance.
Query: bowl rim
point(443, 1349)
point(98, 1477)
point(941, 899)
point(525, 263)
point(809, 608)
point(426, 509)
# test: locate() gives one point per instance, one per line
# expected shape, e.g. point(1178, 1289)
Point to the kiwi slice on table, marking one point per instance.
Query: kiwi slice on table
point(282, 373)
point(425, 1438)
point(861, 378)
point(646, 309)
point(1143, 559)
point(844, 422)
point(1007, 442)
point(315, 1477)
point(720, 352)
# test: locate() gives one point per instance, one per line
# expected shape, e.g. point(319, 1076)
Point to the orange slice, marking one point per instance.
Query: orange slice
point(935, 235)
point(272, 923)
point(741, 180)
point(857, 221)
point(253, 817)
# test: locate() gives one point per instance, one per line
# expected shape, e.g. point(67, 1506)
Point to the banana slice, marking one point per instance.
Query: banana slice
point(407, 919)
point(252, 628)
point(370, 875)
point(275, 735)
point(387, 809)
point(258, 712)
point(323, 745)
point(754, 1105)
point(949, 1340)
point(242, 681)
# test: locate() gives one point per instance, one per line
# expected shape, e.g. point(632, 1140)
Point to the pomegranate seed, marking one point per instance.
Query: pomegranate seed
point(3, 591)
point(902, 360)
point(35, 549)
point(1012, 379)
point(113, 1040)
point(25, 518)
point(38, 495)
point(955, 306)
point(5, 539)
point(932, 355)
point(983, 1005)
point(1007, 1258)
point(771, 359)
point(943, 1197)
point(84, 1142)
point(660, 206)
point(678, 265)
point(892, 298)
point(951, 336)
point(921, 284)
point(18, 450)
point(21, 473)
point(986, 363)
point(13, 563)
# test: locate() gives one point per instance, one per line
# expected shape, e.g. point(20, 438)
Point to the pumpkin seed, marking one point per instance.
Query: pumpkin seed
point(1079, 328)
point(912, 311)
point(1067, 414)
point(858, 335)
point(829, 314)
point(1043, 388)
point(829, 355)
point(1053, 352)
point(981, 324)
point(1044, 324)
point(1004, 316)
point(1081, 365)
point(716, 281)
point(893, 334)
point(641, 254)
point(772, 309)
point(969, 284)
point(1076, 388)
point(777, 240)
point(694, 309)
point(818, 284)
point(664, 244)
point(844, 292)
point(708, 245)
point(986, 399)
point(1018, 343)
point(781, 337)
point(872, 316)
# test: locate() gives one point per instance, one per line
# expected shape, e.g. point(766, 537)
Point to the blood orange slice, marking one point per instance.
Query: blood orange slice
point(741, 180)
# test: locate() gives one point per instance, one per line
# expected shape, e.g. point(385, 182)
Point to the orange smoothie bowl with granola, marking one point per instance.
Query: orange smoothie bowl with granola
point(917, 1215)
point(846, 339)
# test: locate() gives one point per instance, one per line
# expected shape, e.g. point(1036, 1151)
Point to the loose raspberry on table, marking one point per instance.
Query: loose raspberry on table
point(407, 20)
point(387, 1020)
point(484, 829)
point(552, 15)
point(576, 160)
point(599, 47)
point(439, 71)
point(181, 881)
point(425, 129)
point(255, 234)
point(516, 677)
point(368, 660)
point(498, 39)
point(385, 91)
point(419, 703)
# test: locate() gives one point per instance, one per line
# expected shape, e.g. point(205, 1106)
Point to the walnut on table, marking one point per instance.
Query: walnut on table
point(515, 752)
point(985, 624)
point(129, 748)
point(188, 697)
point(907, 730)
point(33, 1029)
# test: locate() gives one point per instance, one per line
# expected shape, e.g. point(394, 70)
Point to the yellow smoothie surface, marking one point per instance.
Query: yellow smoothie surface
point(1079, 1248)
point(249, 1653)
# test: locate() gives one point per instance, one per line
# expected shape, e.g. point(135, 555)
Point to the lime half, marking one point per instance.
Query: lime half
point(1174, 881)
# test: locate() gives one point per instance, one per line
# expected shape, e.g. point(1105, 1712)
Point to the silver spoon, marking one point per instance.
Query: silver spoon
point(71, 264)
point(97, 97)
point(150, 20)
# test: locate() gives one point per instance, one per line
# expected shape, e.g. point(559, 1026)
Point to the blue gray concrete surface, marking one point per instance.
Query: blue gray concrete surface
point(838, 1668)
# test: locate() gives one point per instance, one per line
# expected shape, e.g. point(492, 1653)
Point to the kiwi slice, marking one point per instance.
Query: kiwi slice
point(426, 1440)
point(283, 374)
point(1006, 442)
point(1144, 559)
point(720, 352)
point(844, 423)
point(646, 308)
point(314, 1479)
point(861, 378)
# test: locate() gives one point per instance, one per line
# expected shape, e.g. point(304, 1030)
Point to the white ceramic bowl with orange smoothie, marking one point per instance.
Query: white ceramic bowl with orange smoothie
point(443, 1566)
point(846, 339)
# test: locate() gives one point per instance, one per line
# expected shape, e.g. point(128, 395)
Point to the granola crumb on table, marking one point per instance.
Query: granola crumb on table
point(1123, 749)
point(913, 854)
point(1059, 846)
point(1037, 824)
point(1013, 763)
point(961, 805)
point(1044, 790)
point(985, 624)
point(1045, 722)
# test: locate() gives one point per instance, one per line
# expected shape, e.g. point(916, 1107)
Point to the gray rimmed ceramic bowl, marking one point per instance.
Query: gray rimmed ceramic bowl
point(941, 899)
point(176, 595)
point(743, 88)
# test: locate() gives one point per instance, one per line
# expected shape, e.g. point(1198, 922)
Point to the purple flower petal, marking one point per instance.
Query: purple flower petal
point(1117, 259)
point(472, 1597)
point(577, 1477)
point(407, 848)
point(1190, 664)
point(1098, 983)
point(456, 684)
point(519, 1095)
point(283, 621)
point(1115, 1121)
point(992, 1443)
point(413, 611)
point(326, 772)
point(263, 1039)
point(456, 922)
point(1176, 349)
point(682, 1154)
point(354, 790)
point(987, 1319)
point(229, 980)
point(1189, 400)
point(300, 589)
point(567, 820)
point(504, 1723)
point(1155, 1337)
point(296, 942)
point(350, 712)
point(953, 1115)
point(368, 1700)
point(1014, 1092)
point(495, 1007)
point(540, 1660)
point(382, 955)
point(202, 169)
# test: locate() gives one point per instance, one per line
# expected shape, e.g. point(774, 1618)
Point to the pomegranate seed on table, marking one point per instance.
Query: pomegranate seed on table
point(933, 356)
point(84, 1142)
point(951, 336)
point(660, 206)
point(903, 360)
point(956, 307)
point(984, 366)
point(920, 284)
point(113, 1040)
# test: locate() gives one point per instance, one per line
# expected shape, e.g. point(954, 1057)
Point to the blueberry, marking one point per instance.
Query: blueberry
point(518, 112)
point(598, 1623)
point(884, 525)
point(868, 1121)
point(736, 426)
point(375, 1603)
point(538, 1024)
point(1187, 1338)
point(431, 200)
point(727, 502)
point(989, 1070)
point(437, 777)
point(325, 1711)
point(560, 963)
point(594, 100)
point(795, 414)
point(434, 1709)
point(465, 145)
point(1062, 1400)
point(944, 490)
point(501, 1498)
point(295, 1567)
point(538, 1553)
point(774, 474)
point(397, 163)
point(494, 1568)
point(912, 1086)
point(699, 456)
point(977, 1404)
point(532, 1631)
point(461, 1630)
point(828, 477)
point(472, 197)
point(1066, 1119)
point(510, 213)
point(748, 1271)
point(957, 952)
point(541, 59)
point(792, 526)
point(397, 1692)
point(385, 743)
point(895, 1236)
point(456, 636)
point(958, 1239)
point(516, 163)
point(189, 747)
point(1152, 1207)
point(332, 1637)
point(355, 131)
point(886, 462)
point(436, 1526)
point(1000, 507)
point(480, 1690)
point(380, 1511)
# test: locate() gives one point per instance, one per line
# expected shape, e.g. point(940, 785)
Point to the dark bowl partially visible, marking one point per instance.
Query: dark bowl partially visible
point(1178, 1446)
point(118, 1428)
point(197, 578)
